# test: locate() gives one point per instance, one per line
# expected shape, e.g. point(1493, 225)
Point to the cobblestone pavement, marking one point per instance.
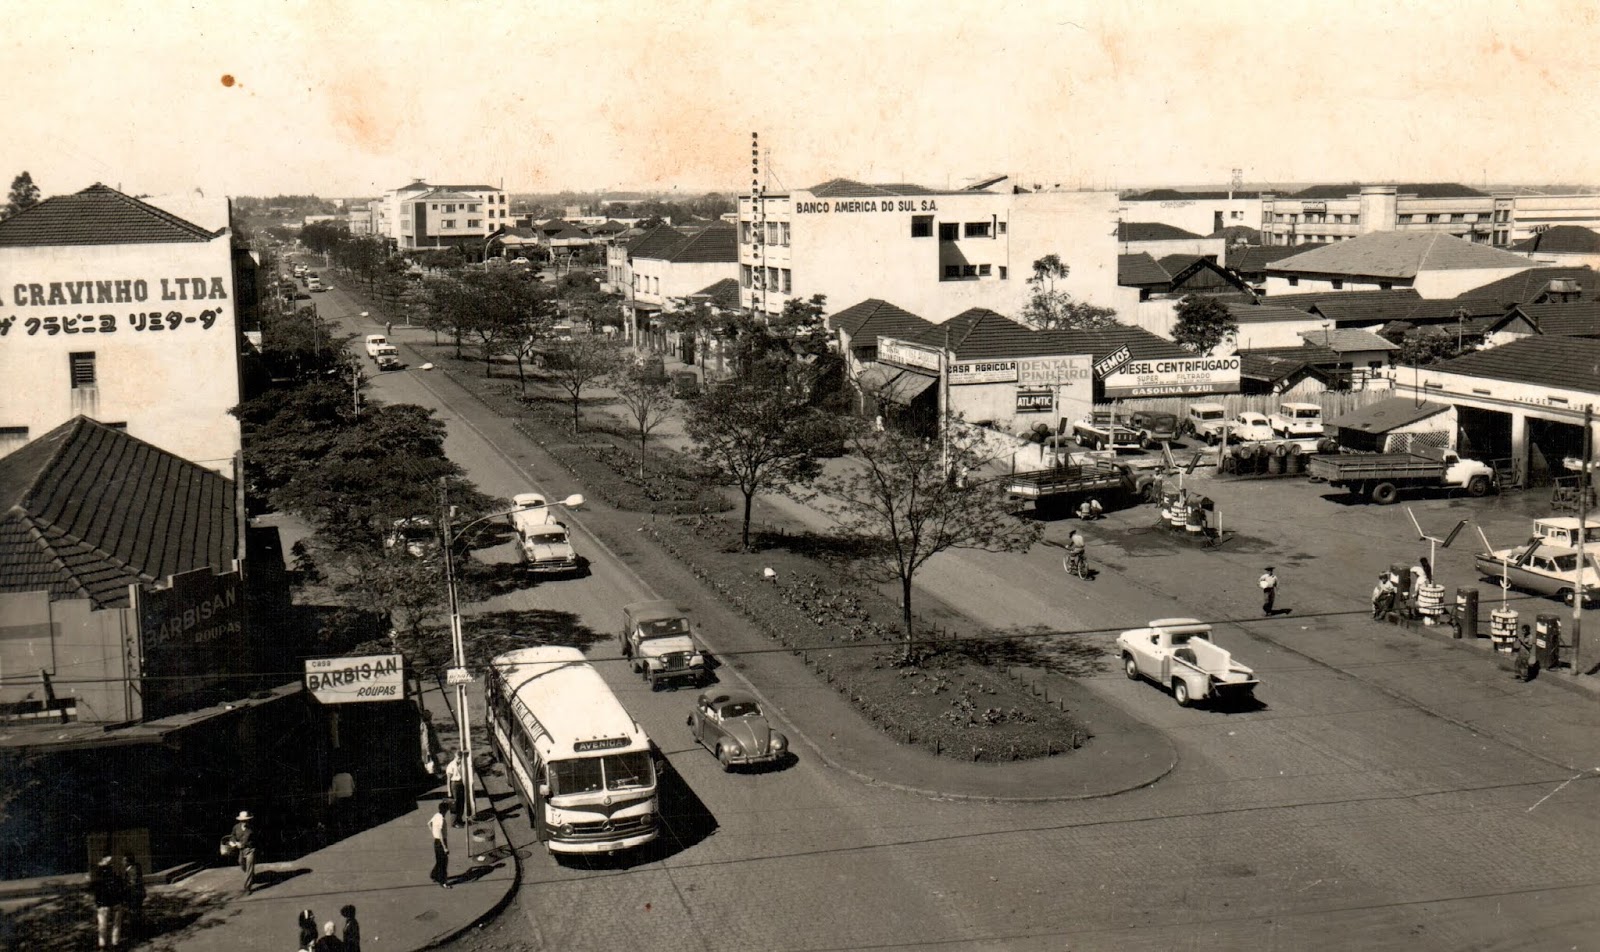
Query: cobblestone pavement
point(1391, 793)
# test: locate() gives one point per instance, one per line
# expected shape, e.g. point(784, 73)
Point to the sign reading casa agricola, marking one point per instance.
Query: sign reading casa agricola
point(353, 680)
point(158, 305)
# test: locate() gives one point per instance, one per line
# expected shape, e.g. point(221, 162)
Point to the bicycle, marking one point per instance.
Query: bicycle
point(1076, 563)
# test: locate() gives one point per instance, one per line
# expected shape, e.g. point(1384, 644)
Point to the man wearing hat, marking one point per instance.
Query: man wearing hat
point(244, 839)
point(1269, 590)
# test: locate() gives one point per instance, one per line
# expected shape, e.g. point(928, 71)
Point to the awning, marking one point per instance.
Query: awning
point(895, 384)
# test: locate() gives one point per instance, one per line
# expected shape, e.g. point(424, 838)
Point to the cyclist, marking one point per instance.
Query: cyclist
point(1076, 547)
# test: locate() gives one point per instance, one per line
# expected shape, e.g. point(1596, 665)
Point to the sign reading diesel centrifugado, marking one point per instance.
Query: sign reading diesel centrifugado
point(1174, 375)
point(352, 680)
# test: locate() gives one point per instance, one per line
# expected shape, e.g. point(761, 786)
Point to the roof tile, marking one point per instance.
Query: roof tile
point(98, 215)
point(1570, 363)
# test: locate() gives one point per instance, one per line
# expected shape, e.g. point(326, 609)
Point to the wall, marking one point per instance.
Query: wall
point(86, 650)
point(1448, 284)
point(1198, 215)
point(1530, 211)
point(1215, 247)
point(1254, 335)
point(1333, 403)
point(1306, 284)
point(166, 354)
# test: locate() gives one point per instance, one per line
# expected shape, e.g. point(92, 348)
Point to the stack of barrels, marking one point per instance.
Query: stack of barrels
point(1503, 630)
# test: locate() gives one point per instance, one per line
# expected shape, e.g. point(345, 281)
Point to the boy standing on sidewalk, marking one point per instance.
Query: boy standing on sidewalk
point(437, 827)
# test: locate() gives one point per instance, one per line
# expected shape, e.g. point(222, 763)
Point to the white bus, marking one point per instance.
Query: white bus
point(579, 760)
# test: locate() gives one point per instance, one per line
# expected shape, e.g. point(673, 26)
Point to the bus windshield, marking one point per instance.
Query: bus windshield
point(631, 771)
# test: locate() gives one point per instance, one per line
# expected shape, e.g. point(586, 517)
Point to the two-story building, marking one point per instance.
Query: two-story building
point(420, 215)
point(123, 312)
point(1435, 265)
point(931, 251)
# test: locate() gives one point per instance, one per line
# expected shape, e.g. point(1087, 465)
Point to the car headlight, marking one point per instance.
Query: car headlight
point(732, 748)
point(779, 742)
point(566, 829)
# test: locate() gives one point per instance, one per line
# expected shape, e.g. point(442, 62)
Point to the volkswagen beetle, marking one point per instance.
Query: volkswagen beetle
point(730, 724)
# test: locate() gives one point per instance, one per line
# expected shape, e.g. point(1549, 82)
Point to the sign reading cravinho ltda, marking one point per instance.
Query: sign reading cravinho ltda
point(1174, 376)
point(111, 305)
point(353, 680)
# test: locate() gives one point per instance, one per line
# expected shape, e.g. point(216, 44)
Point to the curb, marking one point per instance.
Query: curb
point(1567, 680)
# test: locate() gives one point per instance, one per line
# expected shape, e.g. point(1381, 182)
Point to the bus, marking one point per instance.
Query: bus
point(575, 755)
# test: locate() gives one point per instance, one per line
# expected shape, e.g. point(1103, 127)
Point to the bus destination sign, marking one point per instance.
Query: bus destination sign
point(604, 743)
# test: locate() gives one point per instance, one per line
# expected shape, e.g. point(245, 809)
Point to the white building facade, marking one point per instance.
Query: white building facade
point(935, 253)
point(124, 313)
point(420, 215)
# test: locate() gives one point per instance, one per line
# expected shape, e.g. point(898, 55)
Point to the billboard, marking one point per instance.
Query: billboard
point(982, 371)
point(892, 351)
point(1036, 401)
point(356, 680)
point(1174, 376)
point(191, 637)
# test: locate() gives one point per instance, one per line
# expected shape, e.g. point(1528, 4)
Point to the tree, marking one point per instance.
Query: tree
point(801, 324)
point(287, 430)
point(1051, 308)
point(1427, 345)
point(1203, 323)
point(648, 401)
point(386, 582)
point(579, 364)
point(24, 194)
point(760, 432)
point(906, 504)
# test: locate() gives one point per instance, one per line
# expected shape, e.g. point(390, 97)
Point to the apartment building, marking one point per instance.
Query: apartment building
point(420, 215)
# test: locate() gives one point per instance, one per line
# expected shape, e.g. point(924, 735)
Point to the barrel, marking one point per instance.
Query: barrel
point(1196, 522)
point(1274, 465)
point(1430, 602)
point(1503, 630)
point(1466, 613)
point(1296, 464)
point(1178, 516)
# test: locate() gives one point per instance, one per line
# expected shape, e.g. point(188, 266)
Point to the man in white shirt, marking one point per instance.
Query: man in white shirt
point(1269, 590)
point(455, 774)
point(441, 846)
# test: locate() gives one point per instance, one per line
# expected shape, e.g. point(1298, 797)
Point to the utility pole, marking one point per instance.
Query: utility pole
point(458, 650)
point(944, 406)
point(1585, 487)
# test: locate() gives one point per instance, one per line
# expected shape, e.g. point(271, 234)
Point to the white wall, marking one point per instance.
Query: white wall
point(1279, 284)
point(173, 386)
point(1198, 215)
point(1448, 284)
point(1257, 334)
point(1216, 247)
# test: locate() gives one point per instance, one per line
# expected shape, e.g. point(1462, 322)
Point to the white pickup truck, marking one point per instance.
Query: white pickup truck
point(1294, 420)
point(375, 341)
point(1178, 653)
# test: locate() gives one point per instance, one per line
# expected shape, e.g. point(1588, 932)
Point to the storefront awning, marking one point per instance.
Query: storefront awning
point(907, 386)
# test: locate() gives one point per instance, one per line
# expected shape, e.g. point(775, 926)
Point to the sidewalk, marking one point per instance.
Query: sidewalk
point(382, 871)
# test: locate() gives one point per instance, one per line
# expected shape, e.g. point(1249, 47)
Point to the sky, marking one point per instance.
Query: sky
point(348, 98)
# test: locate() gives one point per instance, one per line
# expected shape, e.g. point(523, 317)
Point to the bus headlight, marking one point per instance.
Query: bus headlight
point(566, 829)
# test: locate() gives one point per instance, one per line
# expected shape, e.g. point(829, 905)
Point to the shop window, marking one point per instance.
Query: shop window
point(922, 226)
point(977, 229)
point(949, 231)
point(82, 366)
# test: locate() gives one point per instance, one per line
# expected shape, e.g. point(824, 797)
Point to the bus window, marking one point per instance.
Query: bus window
point(575, 776)
point(628, 771)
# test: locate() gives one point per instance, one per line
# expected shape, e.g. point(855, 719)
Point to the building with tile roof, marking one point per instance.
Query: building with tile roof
point(106, 542)
point(721, 295)
point(122, 312)
point(1395, 425)
point(1523, 400)
point(1540, 286)
point(668, 265)
point(1562, 245)
point(933, 252)
point(1570, 319)
point(1434, 265)
point(1197, 212)
point(422, 216)
point(1357, 349)
point(861, 324)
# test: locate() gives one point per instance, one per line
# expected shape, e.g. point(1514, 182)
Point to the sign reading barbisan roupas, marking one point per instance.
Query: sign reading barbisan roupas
point(352, 680)
point(1174, 375)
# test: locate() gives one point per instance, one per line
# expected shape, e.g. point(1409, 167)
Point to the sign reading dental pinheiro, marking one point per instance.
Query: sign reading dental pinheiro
point(1174, 376)
point(354, 680)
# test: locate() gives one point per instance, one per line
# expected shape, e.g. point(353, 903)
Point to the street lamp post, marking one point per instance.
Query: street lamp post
point(458, 674)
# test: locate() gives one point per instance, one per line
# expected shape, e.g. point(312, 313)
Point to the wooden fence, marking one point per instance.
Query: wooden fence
point(1333, 403)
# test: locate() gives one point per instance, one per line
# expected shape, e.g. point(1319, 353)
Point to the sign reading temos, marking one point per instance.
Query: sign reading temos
point(352, 680)
point(1174, 376)
point(1112, 362)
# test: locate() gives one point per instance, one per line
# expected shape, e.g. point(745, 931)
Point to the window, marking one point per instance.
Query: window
point(1432, 218)
point(1000, 228)
point(655, 285)
point(772, 278)
point(450, 208)
point(12, 437)
point(744, 276)
point(82, 366)
point(744, 233)
point(772, 232)
point(969, 271)
point(474, 222)
point(447, 223)
point(983, 271)
point(1003, 270)
point(785, 280)
point(922, 226)
point(1294, 282)
point(783, 233)
point(1338, 285)
point(1385, 285)
point(977, 229)
point(1236, 216)
point(473, 207)
point(949, 231)
point(952, 271)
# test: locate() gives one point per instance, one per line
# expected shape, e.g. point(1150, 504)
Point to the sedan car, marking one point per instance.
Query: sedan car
point(1249, 427)
point(1543, 569)
point(730, 724)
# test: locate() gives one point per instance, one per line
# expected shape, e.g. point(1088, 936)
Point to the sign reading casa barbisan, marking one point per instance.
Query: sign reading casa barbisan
point(354, 680)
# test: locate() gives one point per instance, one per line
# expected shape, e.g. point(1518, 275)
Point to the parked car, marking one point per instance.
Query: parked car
point(1178, 653)
point(1544, 570)
point(414, 535)
point(1297, 420)
point(660, 643)
point(1206, 421)
point(1248, 427)
point(731, 725)
point(1154, 427)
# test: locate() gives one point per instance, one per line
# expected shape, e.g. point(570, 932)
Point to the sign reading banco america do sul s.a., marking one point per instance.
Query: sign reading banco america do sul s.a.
point(1174, 376)
point(354, 680)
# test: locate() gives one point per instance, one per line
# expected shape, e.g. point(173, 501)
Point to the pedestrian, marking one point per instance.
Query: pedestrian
point(455, 774)
point(352, 929)
point(308, 929)
point(133, 893)
point(1383, 596)
point(388, 328)
point(441, 845)
point(329, 941)
point(1529, 648)
point(244, 840)
point(1269, 590)
point(106, 890)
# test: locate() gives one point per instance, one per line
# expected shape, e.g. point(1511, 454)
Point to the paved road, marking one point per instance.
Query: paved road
point(1392, 792)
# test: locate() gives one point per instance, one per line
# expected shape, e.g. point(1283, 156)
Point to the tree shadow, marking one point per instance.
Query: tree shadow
point(826, 547)
point(66, 923)
point(1068, 653)
point(489, 634)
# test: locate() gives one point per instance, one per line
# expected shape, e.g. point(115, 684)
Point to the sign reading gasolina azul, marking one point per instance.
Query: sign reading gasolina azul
point(349, 680)
point(1181, 375)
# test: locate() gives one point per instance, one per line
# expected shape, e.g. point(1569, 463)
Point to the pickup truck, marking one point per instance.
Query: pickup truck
point(1154, 427)
point(1297, 420)
point(374, 341)
point(659, 642)
point(1050, 486)
point(1207, 421)
point(388, 357)
point(1178, 653)
point(1102, 431)
point(1380, 477)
